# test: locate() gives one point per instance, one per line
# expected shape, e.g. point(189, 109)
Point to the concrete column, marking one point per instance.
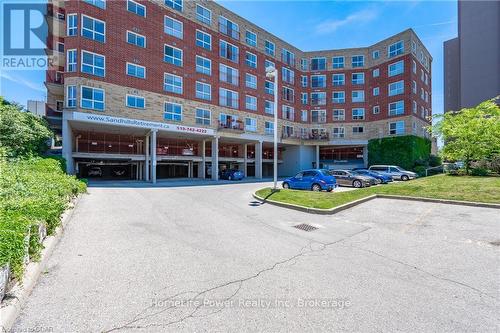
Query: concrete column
point(365, 156)
point(215, 158)
point(317, 156)
point(67, 146)
point(201, 165)
point(146, 162)
point(190, 169)
point(258, 160)
point(245, 159)
point(153, 156)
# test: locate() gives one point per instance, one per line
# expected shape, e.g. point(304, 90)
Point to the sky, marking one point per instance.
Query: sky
point(315, 25)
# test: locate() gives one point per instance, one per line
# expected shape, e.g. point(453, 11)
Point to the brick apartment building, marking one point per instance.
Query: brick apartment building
point(159, 89)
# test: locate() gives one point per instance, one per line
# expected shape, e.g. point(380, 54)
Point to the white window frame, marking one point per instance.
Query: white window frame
point(360, 113)
point(174, 87)
point(135, 66)
point(235, 93)
point(203, 94)
point(396, 88)
point(249, 62)
point(338, 114)
point(203, 69)
point(136, 35)
point(357, 82)
point(172, 57)
point(92, 100)
point(333, 97)
point(205, 45)
point(136, 97)
point(396, 111)
point(395, 130)
point(203, 120)
point(398, 51)
point(396, 71)
point(92, 65)
point(94, 33)
point(71, 98)
point(201, 18)
point(358, 99)
point(171, 31)
point(173, 114)
point(338, 64)
point(253, 124)
point(268, 49)
point(138, 5)
point(71, 66)
point(251, 86)
point(72, 30)
point(253, 106)
point(251, 43)
point(175, 4)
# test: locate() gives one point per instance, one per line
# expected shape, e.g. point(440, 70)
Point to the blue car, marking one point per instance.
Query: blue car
point(232, 174)
point(313, 179)
point(384, 179)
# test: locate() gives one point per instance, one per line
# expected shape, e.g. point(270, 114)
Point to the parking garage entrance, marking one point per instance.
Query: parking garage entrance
point(108, 169)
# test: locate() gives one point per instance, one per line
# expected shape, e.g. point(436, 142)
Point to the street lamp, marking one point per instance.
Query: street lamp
point(272, 73)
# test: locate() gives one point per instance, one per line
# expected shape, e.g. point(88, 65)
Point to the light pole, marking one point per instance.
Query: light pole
point(271, 73)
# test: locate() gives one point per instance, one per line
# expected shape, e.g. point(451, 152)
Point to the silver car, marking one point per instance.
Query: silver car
point(397, 173)
point(348, 178)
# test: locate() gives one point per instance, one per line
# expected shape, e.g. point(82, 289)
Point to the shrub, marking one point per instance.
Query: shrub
point(495, 164)
point(404, 151)
point(479, 172)
point(435, 161)
point(420, 170)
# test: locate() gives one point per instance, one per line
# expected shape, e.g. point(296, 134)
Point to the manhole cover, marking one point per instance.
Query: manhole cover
point(495, 243)
point(305, 227)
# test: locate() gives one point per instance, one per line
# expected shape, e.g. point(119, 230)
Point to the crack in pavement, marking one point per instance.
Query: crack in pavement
point(239, 282)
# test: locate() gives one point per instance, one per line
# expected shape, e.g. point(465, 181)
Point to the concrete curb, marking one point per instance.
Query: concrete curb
point(337, 209)
point(19, 294)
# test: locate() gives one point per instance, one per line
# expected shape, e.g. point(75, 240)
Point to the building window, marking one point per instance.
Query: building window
point(269, 87)
point(203, 14)
point(288, 94)
point(269, 107)
point(303, 98)
point(136, 102)
point(338, 79)
point(318, 81)
point(358, 78)
point(338, 132)
point(358, 61)
point(203, 117)
point(397, 128)
point(173, 55)
point(251, 124)
point(396, 108)
point(414, 86)
point(251, 60)
point(229, 28)
point(358, 96)
point(203, 40)
point(358, 114)
point(93, 28)
point(414, 107)
point(287, 75)
point(269, 48)
point(269, 128)
point(172, 83)
point(303, 80)
point(376, 72)
point(422, 75)
point(338, 62)
point(250, 38)
point(136, 8)
point(318, 116)
point(396, 88)
point(338, 114)
point(375, 54)
point(172, 111)
point(338, 97)
point(228, 74)
point(93, 63)
point(136, 39)
point(421, 93)
point(287, 131)
point(303, 115)
point(376, 109)
point(173, 27)
point(288, 57)
point(395, 49)
point(304, 64)
point(396, 68)
point(268, 64)
point(72, 25)
point(426, 96)
point(136, 70)
point(318, 98)
point(251, 103)
point(376, 91)
point(358, 129)
point(203, 65)
point(250, 81)
point(203, 91)
point(71, 96)
point(228, 98)
point(414, 67)
point(71, 61)
point(318, 64)
point(175, 4)
point(229, 51)
point(92, 98)
point(98, 3)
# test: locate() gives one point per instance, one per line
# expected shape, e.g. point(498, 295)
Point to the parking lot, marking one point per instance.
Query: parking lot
point(210, 258)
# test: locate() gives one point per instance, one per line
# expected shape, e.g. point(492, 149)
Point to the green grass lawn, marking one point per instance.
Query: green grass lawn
point(466, 188)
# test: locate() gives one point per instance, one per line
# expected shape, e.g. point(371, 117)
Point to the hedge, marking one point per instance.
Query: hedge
point(405, 151)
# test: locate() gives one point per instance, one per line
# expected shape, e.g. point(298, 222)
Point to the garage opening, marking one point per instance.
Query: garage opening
point(108, 170)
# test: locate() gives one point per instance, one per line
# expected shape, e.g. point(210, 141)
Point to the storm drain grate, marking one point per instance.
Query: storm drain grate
point(305, 227)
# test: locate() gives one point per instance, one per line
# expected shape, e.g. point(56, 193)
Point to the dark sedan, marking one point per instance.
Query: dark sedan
point(348, 178)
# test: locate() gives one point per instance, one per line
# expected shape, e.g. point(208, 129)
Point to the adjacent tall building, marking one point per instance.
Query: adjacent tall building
point(172, 88)
point(472, 60)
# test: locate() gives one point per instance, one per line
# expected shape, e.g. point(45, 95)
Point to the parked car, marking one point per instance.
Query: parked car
point(313, 179)
point(119, 171)
point(348, 178)
point(95, 171)
point(232, 174)
point(397, 173)
point(383, 178)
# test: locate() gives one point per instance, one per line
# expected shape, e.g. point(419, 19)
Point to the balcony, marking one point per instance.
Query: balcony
point(235, 125)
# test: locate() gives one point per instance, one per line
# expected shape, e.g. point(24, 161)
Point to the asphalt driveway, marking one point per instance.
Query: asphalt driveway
point(209, 258)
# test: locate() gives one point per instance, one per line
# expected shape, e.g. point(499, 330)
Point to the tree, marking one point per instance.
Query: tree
point(470, 134)
point(21, 133)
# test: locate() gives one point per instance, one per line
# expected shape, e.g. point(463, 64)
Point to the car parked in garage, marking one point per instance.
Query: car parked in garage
point(312, 179)
point(95, 172)
point(231, 174)
point(349, 178)
point(396, 172)
point(383, 178)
